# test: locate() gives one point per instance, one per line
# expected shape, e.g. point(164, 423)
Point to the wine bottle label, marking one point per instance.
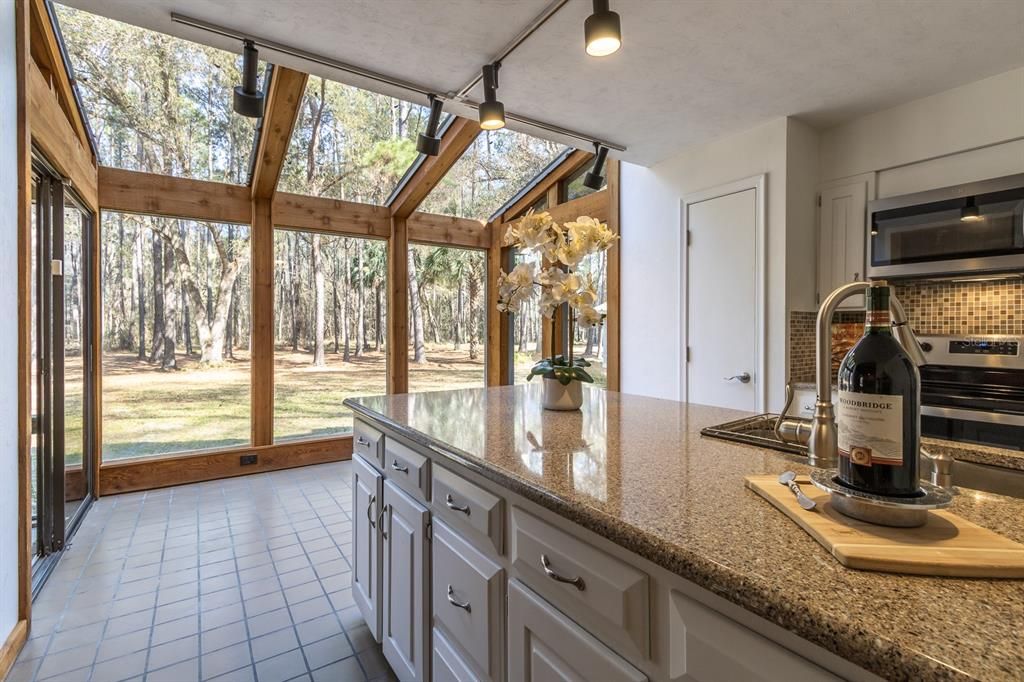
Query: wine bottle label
point(871, 428)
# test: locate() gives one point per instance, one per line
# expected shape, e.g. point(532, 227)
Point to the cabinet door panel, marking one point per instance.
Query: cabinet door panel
point(447, 665)
point(545, 646)
point(842, 236)
point(468, 592)
point(406, 577)
point(367, 569)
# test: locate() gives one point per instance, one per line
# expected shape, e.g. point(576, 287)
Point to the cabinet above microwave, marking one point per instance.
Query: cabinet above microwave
point(977, 228)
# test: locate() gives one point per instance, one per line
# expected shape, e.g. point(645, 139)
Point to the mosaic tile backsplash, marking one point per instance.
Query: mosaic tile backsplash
point(934, 307)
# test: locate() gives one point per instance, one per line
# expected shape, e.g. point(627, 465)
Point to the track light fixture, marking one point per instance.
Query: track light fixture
point(970, 213)
point(595, 178)
point(249, 99)
point(492, 112)
point(428, 142)
point(602, 30)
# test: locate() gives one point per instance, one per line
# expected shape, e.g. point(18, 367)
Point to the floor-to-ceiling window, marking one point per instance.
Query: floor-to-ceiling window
point(175, 320)
point(330, 327)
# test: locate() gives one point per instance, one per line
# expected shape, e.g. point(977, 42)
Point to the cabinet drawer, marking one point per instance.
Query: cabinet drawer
point(467, 590)
point(446, 664)
point(468, 508)
point(545, 645)
point(705, 645)
point(610, 597)
point(408, 469)
point(368, 442)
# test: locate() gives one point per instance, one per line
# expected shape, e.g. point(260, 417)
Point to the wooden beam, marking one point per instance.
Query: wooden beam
point(262, 362)
point(331, 215)
point(570, 165)
point(594, 205)
point(430, 228)
point(46, 52)
point(23, 60)
point(455, 142)
point(95, 307)
point(149, 473)
point(163, 195)
point(54, 135)
point(398, 306)
point(612, 322)
point(282, 108)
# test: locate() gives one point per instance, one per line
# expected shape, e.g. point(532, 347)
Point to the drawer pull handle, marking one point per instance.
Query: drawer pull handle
point(456, 603)
point(362, 441)
point(464, 508)
point(380, 520)
point(369, 511)
point(577, 582)
point(398, 467)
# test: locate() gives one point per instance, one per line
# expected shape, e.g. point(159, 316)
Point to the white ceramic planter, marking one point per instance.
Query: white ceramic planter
point(559, 397)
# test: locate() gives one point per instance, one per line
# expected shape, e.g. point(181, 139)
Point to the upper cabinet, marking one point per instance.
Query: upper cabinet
point(842, 220)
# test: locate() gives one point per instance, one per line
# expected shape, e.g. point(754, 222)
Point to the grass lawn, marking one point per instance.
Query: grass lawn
point(148, 412)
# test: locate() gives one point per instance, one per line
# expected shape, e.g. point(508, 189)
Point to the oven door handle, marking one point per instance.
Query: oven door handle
point(973, 415)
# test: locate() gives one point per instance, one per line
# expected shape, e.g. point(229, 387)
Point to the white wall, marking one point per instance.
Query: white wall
point(651, 288)
point(8, 332)
point(973, 120)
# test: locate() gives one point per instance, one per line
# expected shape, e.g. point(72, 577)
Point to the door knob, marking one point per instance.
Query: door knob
point(742, 378)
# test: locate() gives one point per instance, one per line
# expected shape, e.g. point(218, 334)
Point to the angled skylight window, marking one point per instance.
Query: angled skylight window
point(350, 143)
point(497, 165)
point(156, 103)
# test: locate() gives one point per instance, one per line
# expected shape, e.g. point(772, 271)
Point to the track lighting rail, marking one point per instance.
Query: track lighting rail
point(401, 83)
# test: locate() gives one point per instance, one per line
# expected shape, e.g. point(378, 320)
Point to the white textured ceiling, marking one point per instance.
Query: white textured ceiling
point(688, 70)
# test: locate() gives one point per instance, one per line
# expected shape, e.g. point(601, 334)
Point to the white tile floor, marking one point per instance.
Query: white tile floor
point(237, 580)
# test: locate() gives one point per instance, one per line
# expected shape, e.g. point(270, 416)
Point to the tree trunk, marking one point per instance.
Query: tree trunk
point(473, 287)
point(157, 246)
point(334, 308)
point(346, 290)
point(168, 359)
point(140, 276)
point(360, 299)
point(294, 277)
point(416, 313)
point(318, 304)
point(378, 327)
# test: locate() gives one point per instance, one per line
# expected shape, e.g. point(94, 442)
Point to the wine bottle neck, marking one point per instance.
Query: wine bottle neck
point(877, 322)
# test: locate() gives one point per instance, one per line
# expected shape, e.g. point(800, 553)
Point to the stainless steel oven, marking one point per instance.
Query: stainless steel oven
point(972, 389)
point(977, 228)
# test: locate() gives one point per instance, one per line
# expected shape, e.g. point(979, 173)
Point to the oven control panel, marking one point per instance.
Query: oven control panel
point(984, 347)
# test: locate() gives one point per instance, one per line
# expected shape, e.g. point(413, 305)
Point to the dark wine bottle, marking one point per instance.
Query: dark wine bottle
point(879, 414)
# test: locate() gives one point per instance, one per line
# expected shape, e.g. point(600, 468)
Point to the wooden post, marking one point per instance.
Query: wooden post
point(261, 242)
point(498, 346)
point(612, 328)
point(398, 306)
point(24, 151)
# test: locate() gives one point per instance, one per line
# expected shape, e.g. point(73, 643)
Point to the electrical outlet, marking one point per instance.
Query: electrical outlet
point(246, 460)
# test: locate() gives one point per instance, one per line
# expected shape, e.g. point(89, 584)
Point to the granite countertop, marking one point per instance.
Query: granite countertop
point(637, 471)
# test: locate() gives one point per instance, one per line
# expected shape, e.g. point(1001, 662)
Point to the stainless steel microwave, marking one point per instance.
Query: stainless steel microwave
point(977, 228)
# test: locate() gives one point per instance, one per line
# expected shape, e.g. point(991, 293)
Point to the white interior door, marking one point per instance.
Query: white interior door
point(723, 310)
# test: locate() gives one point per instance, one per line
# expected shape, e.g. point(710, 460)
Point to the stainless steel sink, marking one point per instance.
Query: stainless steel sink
point(760, 431)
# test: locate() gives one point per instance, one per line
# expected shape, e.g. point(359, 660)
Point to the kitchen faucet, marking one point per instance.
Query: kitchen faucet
point(819, 434)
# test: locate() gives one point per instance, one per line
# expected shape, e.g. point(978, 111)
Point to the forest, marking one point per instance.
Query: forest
point(175, 292)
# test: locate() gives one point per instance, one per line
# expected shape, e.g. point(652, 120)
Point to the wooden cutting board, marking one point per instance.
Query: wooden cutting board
point(946, 545)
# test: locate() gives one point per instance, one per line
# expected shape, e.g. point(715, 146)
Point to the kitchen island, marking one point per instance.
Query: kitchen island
point(634, 484)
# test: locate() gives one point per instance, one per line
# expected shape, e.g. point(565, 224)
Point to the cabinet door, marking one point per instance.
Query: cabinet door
point(406, 580)
point(842, 235)
point(367, 569)
point(545, 645)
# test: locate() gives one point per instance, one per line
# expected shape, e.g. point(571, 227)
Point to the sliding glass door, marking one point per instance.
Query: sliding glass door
point(61, 366)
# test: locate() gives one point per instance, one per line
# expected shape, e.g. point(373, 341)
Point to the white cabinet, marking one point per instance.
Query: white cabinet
point(544, 645)
point(367, 570)
point(709, 647)
point(841, 238)
point(406, 602)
